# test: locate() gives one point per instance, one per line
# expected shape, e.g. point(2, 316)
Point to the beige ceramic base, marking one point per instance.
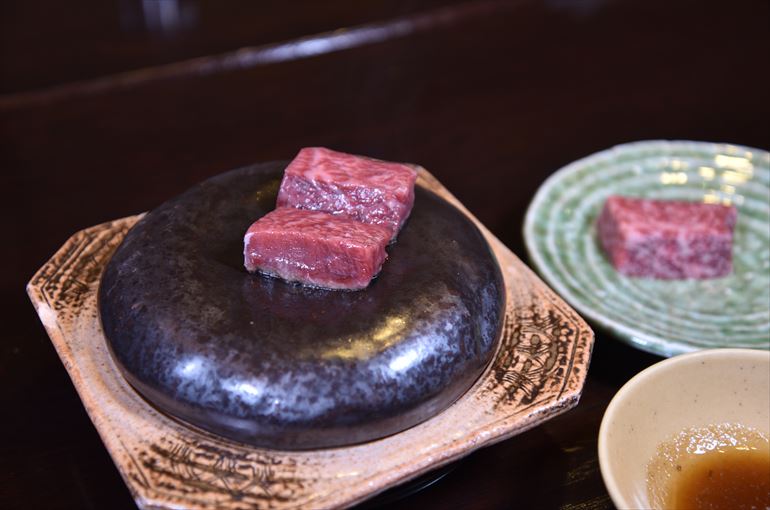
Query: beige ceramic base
point(537, 373)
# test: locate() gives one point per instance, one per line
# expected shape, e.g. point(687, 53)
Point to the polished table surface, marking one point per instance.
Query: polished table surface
point(107, 108)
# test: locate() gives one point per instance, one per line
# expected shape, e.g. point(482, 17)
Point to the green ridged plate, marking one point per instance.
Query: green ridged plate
point(662, 317)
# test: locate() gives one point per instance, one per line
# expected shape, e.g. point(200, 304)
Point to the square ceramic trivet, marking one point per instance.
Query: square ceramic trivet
point(537, 372)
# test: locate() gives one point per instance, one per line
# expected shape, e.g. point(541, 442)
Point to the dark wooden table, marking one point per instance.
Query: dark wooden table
point(108, 108)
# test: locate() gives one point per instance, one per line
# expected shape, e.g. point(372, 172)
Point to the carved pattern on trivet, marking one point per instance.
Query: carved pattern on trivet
point(539, 344)
point(192, 470)
point(64, 282)
point(534, 345)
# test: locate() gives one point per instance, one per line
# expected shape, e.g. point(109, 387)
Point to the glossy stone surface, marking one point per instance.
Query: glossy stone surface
point(283, 366)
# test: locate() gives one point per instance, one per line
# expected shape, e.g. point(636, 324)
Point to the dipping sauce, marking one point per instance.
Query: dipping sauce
point(724, 466)
point(731, 478)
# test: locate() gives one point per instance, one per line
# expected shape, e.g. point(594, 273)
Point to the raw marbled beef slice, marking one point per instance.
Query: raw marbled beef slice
point(667, 239)
point(364, 189)
point(315, 248)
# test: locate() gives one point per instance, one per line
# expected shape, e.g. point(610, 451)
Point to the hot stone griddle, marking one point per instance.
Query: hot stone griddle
point(278, 365)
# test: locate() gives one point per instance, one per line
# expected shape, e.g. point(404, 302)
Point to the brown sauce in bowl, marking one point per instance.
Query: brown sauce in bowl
point(724, 466)
point(732, 478)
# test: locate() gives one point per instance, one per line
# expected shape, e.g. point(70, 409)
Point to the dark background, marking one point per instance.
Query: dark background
point(109, 107)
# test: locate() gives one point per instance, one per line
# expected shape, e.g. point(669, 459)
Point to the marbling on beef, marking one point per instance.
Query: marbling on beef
point(363, 189)
point(667, 239)
point(316, 248)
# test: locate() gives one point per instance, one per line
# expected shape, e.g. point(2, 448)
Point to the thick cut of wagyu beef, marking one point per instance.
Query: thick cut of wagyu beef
point(316, 248)
point(667, 239)
point(364, 189)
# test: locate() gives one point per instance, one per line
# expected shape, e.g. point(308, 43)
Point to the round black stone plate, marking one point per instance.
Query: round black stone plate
point(279, 365)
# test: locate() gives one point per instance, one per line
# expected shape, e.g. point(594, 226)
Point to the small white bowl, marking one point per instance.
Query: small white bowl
point(688, 391)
